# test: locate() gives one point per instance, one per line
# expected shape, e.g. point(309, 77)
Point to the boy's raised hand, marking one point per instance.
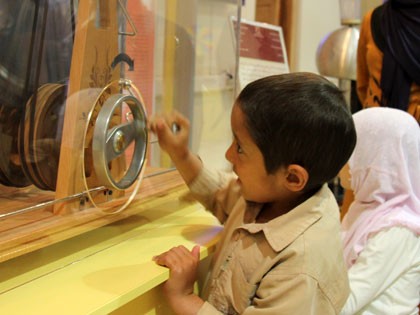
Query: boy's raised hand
point(172, 131)
point(175, 142)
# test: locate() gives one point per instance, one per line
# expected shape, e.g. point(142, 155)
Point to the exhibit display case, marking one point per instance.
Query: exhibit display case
point(78, 83)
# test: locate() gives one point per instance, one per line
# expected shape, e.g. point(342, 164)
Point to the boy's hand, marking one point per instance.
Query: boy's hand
point(179, 288)
point(174, 142)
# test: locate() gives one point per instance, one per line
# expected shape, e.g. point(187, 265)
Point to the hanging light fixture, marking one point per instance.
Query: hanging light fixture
point(337, 52)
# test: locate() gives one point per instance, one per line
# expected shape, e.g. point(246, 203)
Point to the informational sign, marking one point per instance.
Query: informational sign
point(262, 51)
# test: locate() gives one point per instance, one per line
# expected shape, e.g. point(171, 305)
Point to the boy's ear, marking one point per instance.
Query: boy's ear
point(297, 177)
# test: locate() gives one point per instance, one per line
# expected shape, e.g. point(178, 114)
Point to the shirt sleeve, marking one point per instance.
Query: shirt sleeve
point(381, 262)
point(216, 191)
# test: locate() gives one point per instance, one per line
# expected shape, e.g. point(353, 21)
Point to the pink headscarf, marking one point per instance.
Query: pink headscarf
point(385, 177)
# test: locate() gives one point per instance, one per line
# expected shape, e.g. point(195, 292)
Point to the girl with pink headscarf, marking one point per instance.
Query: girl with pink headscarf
point(381, 230)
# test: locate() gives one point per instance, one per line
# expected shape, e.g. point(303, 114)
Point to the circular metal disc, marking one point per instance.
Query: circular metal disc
point(111, 141)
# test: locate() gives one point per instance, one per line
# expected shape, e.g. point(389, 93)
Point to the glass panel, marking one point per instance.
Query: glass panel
point(77, 84)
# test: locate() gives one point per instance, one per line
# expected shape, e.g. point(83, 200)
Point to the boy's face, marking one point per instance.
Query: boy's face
point(248, 164)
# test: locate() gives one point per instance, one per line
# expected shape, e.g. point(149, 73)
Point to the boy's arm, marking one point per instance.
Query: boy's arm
point(175, 143)
point(211, 189)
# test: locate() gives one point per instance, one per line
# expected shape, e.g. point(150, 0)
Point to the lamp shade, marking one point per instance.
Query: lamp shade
point(336, 54)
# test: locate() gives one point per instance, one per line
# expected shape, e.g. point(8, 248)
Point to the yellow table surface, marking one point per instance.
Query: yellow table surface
point(102, 270)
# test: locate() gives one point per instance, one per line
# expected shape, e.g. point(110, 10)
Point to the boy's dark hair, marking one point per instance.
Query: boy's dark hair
point(299, 118)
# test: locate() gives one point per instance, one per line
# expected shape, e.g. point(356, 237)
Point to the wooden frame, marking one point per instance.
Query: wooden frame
point(95, 44)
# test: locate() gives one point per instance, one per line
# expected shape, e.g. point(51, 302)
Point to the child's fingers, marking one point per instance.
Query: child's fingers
point(162, 131)
point(196, 252)
point(177, 256)
point(169, 258)
point(164, 259)
point(152, 123)
point(181, 121)
point(175, 122)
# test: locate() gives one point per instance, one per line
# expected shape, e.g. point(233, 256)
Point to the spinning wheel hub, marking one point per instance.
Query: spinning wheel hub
point(119, 142)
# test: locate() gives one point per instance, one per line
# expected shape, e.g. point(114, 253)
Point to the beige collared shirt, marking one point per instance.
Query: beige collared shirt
point(290, 265)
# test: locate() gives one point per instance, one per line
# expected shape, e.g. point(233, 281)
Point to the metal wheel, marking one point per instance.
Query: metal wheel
point(127, 140)
point(41, 137)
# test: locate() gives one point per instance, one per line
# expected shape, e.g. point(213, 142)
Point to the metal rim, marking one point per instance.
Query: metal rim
point(110, 142)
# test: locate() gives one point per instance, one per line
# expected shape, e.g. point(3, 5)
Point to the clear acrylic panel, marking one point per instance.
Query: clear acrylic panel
point(78, 82)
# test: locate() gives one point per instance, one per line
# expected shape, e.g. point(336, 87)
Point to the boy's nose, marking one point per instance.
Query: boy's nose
point(228, 154)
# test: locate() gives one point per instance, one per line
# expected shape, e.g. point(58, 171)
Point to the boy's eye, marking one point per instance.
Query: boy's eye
point(238, 148)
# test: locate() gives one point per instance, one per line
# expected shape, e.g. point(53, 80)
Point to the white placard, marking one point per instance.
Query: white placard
point(262, 51)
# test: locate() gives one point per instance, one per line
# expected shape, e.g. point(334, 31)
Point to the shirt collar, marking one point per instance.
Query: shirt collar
point(283, 230)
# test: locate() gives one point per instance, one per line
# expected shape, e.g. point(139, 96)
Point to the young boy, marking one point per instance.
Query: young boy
point(280, 252)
